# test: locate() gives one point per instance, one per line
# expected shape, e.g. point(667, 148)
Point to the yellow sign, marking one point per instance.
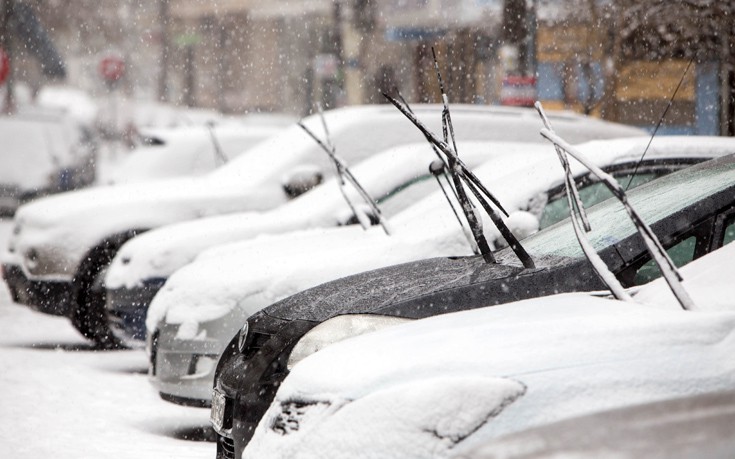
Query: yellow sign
point(655, 81)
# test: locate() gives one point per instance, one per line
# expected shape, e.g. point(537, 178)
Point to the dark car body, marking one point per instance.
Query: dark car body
point(689, 218)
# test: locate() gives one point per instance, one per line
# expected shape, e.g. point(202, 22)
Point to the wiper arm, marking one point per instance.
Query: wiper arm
point(577, 213)
point(461, 173)
point(437, 168)
point(219, 154)
point(345, 175)
point(668, 268)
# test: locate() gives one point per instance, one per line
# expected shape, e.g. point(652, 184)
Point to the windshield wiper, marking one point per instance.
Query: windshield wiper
point(345, 175)
point(658, 253)
point(219, 154)
point(577, 213)
point(462, 176)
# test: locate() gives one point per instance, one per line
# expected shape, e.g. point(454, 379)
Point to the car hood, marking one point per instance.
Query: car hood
point(571, 354)
point(71, 223)
point(371, 291)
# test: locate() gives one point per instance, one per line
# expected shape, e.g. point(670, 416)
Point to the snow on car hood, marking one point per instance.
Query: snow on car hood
point(158, 253)
point(222, 278)
point(572, 353)
point(70, 224)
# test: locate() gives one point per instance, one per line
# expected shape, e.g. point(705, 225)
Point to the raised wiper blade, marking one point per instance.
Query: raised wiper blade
point(345, 175)
point(577, 213)
point(668, 268)
point(219, 154)
point(571, 185)
point(460, 171)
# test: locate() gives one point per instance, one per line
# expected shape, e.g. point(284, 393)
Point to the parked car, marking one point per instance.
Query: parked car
point(689, 427)
point(187, 151)
point(692, 211)
point(61, 246)
point(192, 323)
point(217, 292)
point(143, 264)
point(442, 386)
point(43, 152)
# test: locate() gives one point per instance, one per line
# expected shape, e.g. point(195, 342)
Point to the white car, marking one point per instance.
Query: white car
point(204, 303)
point(143, 264)
point(187, 151)
point(42, 151)
point(61, 246)
point(439, 387)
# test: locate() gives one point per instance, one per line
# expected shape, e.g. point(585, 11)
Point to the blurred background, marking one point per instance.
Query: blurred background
point(620, 60)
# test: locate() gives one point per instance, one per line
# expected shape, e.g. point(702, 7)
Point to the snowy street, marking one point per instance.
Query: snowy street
point(62, 400)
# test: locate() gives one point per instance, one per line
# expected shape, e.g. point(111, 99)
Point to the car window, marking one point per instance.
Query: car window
point(681, 254)
point(591, 193)
point(729, 233)
point(654, 201)
point(406, 194)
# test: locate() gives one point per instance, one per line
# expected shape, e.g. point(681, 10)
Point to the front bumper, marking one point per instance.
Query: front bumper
point(182, 369)
point(49, 297)
point(249, 381)
point(126, 311)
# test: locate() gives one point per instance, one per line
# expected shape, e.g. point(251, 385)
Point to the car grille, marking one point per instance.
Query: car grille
point(256, 341)
point(225, 448)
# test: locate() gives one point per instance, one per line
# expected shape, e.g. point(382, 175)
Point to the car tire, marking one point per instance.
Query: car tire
point(88, 310)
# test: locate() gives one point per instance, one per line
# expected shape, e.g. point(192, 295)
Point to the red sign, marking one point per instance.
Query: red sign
point(112, 68)
point(519, 91)
point(4, 66)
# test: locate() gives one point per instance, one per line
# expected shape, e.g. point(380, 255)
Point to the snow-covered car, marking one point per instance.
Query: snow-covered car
point(143, 264)
point(61, 246)
point(689, 427)
point(43, 151)
point(692, 211)
point(217, 292)
point(444, 385)
point(189, 151)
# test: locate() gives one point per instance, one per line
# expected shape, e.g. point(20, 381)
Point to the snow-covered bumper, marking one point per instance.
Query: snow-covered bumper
point(126, 310)
point(47, 296)
point(183, 357)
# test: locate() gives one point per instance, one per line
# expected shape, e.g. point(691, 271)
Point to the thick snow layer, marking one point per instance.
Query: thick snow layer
point(573, 353)
point(63, 400)
point(36, 147)
point(187, 151)
point(227, 277)
point(158, 253)
point(64, 229)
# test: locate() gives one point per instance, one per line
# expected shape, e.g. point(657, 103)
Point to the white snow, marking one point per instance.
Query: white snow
point(62, 400)
point(573, 353)
point(160, 252)
point(187, 151)
point(223, 278)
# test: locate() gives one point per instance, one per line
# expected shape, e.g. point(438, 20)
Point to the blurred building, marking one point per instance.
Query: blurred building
point(618, 59)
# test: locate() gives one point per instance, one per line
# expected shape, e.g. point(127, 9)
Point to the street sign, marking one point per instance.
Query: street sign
point(4, 66)
point(519, 91)
point(112, 68)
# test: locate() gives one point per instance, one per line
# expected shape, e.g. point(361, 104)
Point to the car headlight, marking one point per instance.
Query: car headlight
point(337, 329)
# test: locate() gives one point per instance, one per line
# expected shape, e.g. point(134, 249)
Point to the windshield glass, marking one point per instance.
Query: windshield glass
point(654, 201)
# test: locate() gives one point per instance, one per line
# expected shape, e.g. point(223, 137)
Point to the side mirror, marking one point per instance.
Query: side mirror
point(300, 180)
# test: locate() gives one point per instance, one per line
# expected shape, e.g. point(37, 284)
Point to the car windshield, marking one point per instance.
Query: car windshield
point(654, 201)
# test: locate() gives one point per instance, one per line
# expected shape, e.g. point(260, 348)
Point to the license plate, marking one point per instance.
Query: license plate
point(217, 415)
